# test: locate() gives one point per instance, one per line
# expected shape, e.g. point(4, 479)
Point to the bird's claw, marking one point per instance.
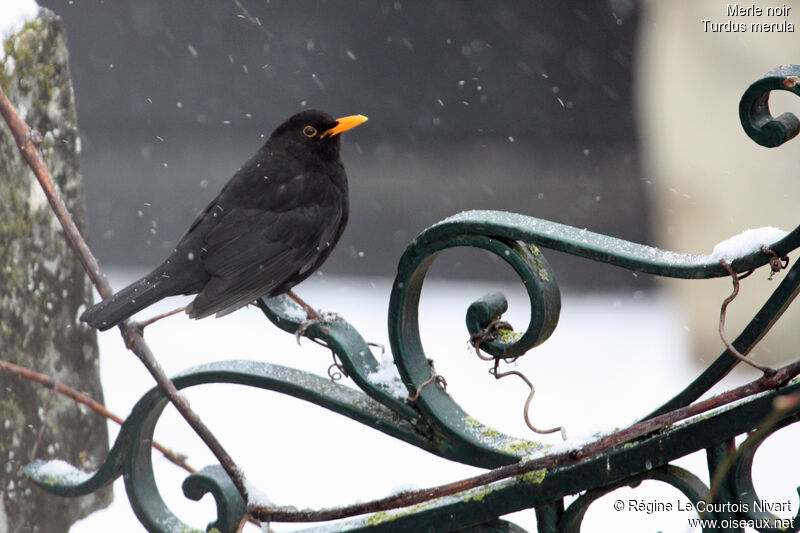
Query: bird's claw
point(319, 317)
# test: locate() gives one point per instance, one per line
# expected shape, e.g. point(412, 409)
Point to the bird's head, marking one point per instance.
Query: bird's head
point(314, 131)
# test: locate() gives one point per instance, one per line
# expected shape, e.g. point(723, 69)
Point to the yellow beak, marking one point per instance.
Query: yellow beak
point(344, 124)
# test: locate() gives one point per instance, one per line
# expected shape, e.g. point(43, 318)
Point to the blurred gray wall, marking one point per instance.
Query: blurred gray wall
point(495, 104)
point(709, 180)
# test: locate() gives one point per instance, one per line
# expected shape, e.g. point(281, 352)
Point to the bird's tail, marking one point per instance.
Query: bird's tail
point(123, 304)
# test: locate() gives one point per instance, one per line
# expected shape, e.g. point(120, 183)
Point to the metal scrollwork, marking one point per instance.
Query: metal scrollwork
point(427, 417)
point(689, 484)
point(741, 481)
point(131, 454)
point(754, 112)
point(436, 405)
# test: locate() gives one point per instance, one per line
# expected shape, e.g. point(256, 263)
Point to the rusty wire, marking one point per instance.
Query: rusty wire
point(774, 262)
point(526, 410)
point(377, 345)
point(336, 371)
point(438, 379)
point(490, 332)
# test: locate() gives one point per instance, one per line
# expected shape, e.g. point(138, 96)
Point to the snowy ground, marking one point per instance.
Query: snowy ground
point(613, 358)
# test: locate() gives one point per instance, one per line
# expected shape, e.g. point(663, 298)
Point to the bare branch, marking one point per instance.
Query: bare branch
point(78, 397)
point(403, 499)
point(26, 142)
point(144, 323)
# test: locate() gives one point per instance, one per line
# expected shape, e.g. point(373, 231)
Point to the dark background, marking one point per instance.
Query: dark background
point(520, 106)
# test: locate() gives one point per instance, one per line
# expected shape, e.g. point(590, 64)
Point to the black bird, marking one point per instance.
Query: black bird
point(272, 225)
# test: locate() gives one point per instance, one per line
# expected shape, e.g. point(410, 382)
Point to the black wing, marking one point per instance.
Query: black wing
point(252, 251)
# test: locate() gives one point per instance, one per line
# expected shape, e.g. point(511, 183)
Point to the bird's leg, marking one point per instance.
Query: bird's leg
point(311, 313)
point(312, 316)
point(143, 324)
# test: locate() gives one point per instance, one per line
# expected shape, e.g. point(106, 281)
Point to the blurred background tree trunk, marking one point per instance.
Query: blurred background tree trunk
point(44, 291)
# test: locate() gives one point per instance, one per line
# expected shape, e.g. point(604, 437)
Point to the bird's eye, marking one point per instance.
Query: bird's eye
point(309, 131)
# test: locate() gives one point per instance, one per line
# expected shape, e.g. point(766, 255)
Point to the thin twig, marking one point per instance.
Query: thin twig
point(78, 397)
point(403, 499)
point(722, 312)
point(144, 323)
point(25, 139)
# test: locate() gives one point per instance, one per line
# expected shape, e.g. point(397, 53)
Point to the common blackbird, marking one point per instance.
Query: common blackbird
point(272, 225)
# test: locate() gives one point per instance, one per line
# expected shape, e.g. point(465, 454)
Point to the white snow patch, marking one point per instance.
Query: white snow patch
point(13, 16)
point(62, 472)
point(745, 243)
point(37, 199)
point(294, 312)
point(405, 487)
point(577, 441)
point(388, 378)
point(255, 496)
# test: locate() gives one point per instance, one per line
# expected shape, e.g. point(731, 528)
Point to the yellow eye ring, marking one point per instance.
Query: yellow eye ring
point(309, 131)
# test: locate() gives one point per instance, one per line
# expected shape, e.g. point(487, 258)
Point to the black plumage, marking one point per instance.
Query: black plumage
point(272, 225)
